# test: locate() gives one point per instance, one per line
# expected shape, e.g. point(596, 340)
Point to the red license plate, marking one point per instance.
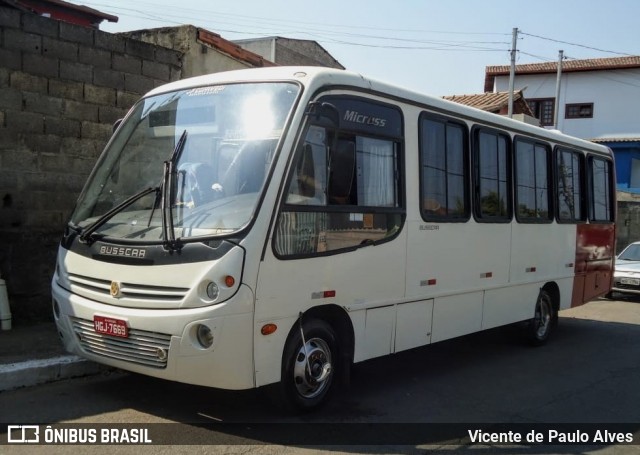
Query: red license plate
point(110, 326)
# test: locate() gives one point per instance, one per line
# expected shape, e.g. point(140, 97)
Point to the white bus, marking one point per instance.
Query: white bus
point(274, 226)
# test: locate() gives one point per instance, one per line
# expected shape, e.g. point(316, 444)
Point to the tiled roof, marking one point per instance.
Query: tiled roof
point(485, 101)
point(37, 5)
point(232, 49)
point(491, 101)
point(568, 66)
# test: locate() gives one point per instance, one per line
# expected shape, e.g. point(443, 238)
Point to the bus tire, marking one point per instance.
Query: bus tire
point(539, 327)
point(307, 384)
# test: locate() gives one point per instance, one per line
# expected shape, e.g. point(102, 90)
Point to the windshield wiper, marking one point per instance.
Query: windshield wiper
point(165, 190)
point(86, 235)
point(168, 182)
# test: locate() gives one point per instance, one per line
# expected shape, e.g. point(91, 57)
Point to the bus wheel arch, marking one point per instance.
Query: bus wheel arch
point(307, 383)
point(337, 318)
point(554, 292)
point(545, 318)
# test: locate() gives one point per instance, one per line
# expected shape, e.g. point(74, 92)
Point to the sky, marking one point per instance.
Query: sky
point(435, 47)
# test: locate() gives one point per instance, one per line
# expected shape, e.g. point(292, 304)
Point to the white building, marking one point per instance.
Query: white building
point(598, 101)
point(599, 98)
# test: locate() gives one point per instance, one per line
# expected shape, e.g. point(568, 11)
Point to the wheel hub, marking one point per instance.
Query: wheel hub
point(312, 370)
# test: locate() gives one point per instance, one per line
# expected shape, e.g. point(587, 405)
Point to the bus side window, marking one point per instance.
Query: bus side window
point(344, 188)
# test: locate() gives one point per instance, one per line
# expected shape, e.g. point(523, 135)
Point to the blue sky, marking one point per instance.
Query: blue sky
point(437, 47)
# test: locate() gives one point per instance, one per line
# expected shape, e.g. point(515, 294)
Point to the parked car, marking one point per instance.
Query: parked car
point(626, 277)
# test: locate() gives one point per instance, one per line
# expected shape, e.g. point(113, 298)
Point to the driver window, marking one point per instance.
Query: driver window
point(344, 190)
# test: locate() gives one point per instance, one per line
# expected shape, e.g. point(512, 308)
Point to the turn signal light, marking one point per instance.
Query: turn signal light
point(268, 329)
point(229, 281)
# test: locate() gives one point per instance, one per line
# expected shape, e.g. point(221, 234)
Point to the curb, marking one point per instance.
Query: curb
point(34, 372)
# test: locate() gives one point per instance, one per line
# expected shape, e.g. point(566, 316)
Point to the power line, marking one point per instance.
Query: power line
point(576, 44)
point(199, 14)
point(330, 32)
point(329, 36)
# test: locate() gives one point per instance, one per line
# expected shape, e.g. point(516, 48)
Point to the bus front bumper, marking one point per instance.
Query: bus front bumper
point(163, 343)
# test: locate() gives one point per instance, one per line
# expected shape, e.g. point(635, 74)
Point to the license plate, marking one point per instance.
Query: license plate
point(110, 326)
point(630, 281)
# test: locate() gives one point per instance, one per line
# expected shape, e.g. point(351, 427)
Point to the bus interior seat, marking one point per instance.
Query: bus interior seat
point(196, 183)
point(252, 168)
point(343, 162)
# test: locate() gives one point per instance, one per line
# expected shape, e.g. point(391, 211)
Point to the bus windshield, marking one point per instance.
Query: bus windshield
point(193, 161)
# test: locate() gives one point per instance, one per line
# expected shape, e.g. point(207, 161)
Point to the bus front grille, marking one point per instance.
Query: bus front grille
point(144, 348)
point(89, 287)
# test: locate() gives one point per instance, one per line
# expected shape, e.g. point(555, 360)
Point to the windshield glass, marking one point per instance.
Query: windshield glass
point(229, 137)
point(631, 253)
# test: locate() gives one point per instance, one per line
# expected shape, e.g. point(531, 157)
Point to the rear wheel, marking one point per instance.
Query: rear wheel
point(309, 369)
point(545, 318)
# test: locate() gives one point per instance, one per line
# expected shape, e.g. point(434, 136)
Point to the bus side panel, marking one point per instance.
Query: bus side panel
point(510, 304)
point(413, 325)
point(378, 332)
point(542, 253)
point(446, 261)
point(448, 258)
point(456, 315)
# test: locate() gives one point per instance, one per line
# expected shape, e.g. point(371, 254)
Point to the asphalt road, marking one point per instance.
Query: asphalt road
point(589, 373)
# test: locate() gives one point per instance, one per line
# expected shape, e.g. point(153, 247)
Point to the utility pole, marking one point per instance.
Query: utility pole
point(558, 80)
point(512, 72)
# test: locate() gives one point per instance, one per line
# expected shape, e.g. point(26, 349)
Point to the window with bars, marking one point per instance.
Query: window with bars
point(579, 110)
point(543, 109)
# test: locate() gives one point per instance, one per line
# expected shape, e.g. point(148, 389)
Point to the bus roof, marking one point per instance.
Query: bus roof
point(316, 77)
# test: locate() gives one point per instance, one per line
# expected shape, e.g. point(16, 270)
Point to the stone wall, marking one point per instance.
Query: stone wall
point(61, 88)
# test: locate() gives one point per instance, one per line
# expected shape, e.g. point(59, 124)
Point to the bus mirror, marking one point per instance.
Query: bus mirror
point(325, 110)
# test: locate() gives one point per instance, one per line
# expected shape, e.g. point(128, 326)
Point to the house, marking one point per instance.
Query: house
point(62, 11)
point(288, 51)
point(207, 52)
point(598, 102)
point(204, 51)
point(498, 103)
point(598, 97)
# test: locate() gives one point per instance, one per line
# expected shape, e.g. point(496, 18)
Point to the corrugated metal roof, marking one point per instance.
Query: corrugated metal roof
point(605, 140)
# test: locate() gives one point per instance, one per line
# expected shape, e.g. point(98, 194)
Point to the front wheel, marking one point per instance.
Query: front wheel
point(309, 369)
point(545, 317)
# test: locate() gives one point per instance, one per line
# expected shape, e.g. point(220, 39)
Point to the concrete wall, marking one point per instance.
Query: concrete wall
point(61, 88)
point(288, 51)
point(615, 95)
point(199, 58)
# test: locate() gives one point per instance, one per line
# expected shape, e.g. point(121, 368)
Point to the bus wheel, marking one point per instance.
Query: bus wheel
point(309, 369)
point(540, 326)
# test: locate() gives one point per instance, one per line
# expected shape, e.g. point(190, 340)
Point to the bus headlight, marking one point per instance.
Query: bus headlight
point(212, 290)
